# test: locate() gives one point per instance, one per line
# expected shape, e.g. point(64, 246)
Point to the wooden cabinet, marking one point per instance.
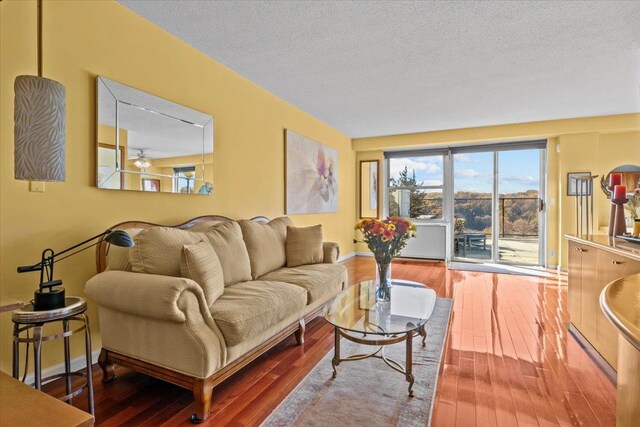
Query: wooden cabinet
point(590, 270)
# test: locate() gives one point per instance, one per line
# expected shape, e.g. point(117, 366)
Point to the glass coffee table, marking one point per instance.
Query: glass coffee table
point(357, 317)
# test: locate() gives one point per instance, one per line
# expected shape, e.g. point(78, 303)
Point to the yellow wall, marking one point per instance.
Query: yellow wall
point(79, 44)
point(598, 153)
point(592, 144)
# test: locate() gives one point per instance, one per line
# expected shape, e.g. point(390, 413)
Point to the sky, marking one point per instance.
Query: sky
point(518, 170)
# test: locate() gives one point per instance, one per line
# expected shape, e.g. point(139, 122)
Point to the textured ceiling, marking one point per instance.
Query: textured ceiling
point(379, 68)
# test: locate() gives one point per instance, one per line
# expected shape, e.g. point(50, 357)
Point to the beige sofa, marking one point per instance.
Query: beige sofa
point(172, 328)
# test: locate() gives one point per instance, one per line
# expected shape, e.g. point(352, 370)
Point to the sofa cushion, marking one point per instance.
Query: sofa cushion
point(265, 244)
point(118, 256)
point(322, 281)
point(226, 239)
point(200, 263)
point(248, 308)
point(158, 250)
point(304, 245)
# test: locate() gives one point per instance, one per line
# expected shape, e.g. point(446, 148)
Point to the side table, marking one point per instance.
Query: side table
point(26, 319)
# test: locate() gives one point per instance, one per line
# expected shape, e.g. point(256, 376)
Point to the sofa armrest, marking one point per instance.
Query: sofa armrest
point(148, 295)
point(159, 319)
point(331, 252)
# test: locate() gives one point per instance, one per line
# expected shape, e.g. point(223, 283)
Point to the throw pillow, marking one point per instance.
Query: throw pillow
point(265, 244)
point(226, 239)
point(304, 246)
point(200, 263)
point(158, 250)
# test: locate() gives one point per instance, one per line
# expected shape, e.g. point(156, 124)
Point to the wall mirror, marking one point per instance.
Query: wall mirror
point(146, 143)
point(369, 185)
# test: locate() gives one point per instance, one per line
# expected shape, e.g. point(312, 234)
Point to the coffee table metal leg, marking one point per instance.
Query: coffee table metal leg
point(423, 333)
point(336, 355)
point(409, 363)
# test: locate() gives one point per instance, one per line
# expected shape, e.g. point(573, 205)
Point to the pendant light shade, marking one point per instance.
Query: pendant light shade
point(39, 117)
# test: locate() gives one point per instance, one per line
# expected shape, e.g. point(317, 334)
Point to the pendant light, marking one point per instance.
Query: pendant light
point(39, 123)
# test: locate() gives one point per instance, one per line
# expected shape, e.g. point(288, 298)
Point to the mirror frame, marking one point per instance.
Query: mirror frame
point(208, 132)
point(360, 205)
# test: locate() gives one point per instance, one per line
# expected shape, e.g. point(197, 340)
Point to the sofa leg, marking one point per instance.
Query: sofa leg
point(299, 334)
point(202, 392)
point(107, 366)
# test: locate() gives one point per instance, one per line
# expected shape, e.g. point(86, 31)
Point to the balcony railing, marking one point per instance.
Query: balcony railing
point(533, 201)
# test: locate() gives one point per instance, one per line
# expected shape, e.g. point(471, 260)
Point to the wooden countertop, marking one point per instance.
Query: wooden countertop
point(620, 302)
point(601, 241)
point(21, 405)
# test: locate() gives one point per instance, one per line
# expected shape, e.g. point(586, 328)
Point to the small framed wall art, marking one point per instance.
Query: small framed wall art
point(573, 183)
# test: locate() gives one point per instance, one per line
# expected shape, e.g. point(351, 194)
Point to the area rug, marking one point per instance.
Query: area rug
point(368, 392)
point(501, 268)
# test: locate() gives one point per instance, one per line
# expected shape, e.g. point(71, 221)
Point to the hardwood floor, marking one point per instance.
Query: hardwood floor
point(508, 361)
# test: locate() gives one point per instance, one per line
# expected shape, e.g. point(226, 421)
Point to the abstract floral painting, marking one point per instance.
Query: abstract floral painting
point(312, 175)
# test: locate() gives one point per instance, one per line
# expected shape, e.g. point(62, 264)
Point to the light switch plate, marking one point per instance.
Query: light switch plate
point(36, 186)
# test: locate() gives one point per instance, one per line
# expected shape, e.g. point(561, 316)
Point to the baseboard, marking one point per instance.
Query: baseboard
point(76, 364)
point(369, 254)
point(593, 353)
point(347, 256)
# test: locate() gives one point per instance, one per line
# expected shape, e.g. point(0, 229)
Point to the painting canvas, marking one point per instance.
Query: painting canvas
point(312, 176)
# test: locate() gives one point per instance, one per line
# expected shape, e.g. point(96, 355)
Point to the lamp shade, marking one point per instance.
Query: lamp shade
point(39, 138)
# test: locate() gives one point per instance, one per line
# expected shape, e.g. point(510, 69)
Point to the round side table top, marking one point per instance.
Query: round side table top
point(73, 306)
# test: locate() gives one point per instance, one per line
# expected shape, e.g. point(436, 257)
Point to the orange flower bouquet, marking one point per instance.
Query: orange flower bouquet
point(386, 239)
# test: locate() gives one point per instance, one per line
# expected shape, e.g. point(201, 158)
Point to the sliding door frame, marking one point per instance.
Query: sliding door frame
point(449, 194)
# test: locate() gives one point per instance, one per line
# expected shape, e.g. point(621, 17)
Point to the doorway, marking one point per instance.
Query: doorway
point(498, 209)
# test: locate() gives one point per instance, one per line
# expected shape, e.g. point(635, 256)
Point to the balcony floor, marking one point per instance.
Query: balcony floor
point(512, 250)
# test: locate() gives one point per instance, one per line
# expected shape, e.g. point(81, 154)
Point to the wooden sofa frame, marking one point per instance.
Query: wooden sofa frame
point(202, 388)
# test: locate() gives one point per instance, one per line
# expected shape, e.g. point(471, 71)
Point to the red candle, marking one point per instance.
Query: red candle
point(620, 192)
point(615, 179)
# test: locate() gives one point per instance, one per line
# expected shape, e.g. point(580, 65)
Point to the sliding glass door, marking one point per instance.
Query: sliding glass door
point(473, 206)
point(497, 200)
point(520, 206)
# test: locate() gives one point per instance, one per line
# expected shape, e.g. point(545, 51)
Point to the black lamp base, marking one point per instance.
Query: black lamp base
point(48, 300)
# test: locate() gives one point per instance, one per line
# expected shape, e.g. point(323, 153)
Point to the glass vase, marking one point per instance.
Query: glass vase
point(383, 281)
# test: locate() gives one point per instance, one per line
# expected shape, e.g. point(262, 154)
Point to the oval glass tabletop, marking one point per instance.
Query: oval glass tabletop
point(355, 309)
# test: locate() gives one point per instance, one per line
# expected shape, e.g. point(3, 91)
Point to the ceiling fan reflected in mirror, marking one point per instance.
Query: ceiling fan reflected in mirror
point(143, 161)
